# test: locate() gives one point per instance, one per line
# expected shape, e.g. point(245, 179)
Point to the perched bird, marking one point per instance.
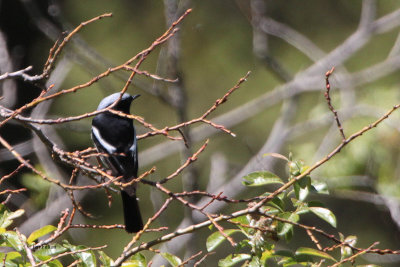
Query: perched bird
point(115, 135)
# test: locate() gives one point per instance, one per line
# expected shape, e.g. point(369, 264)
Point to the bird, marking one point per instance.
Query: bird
point(115, 136)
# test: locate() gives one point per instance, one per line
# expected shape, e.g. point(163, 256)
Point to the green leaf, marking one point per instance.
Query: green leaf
point(16, 214)
point(345, 251)
point(133, 263)
point(10, 258)
point(305, 182)
point(255, 262)
point(50, 250)
point(105, 259)
point(285, 256)
point(303, 193)
point(215, 239)
point(277, 203)
point(172, 259)
point(261, 178)
point(138, 260)
point(266, 255)
point(53, 263)
point(7, 217)
point(324, 214)
point(296, 188)
point(41, 232)
point(12, 240)
point(320, 187)
point(284, 228)
point(243, 220)
point(245, 243)
point(315, 203)
point(314, 252)
point(294, 169)
point(289, 235)
point(87, 258)
point(284, 253)
point(276, 155)
point(230, 261)
point(351, 240)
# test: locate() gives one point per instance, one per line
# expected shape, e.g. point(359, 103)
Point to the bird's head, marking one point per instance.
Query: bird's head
point(123, 105)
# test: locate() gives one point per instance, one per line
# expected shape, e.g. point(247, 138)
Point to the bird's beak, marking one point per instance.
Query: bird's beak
point(134, 97)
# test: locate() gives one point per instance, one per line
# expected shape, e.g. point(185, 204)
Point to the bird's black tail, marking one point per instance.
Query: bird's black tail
point(132, 217)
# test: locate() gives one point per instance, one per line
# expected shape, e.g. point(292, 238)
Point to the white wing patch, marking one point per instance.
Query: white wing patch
point(107, 146)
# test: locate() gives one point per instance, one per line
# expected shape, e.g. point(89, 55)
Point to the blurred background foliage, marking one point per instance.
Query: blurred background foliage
point(216, 50)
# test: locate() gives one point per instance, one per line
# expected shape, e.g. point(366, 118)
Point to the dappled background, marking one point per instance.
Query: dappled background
point(287, 45)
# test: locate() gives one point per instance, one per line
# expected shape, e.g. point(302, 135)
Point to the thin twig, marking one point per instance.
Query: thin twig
point(328, 100)
point(352, 257)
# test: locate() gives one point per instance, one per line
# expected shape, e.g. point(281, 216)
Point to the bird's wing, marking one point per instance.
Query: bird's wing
point(96, 136)
point(133, 151)
point(126, 165)
point(110, 161)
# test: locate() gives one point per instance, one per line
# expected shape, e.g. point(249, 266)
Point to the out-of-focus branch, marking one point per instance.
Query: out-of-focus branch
point(8, 87)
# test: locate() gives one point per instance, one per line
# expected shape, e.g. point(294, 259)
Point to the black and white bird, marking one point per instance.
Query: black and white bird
point(115, 136)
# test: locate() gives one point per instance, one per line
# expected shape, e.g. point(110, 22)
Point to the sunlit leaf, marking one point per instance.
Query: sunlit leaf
point(266, 255)
point(276, 155)
point(243, 220)
point(232, 260)
point(50, 250)
point(294, 169)
point(346, 251)
point(351, 240)
point(285, 256)
point(53, 263)
point(303, 193)
point(9, 257)
point(277, 203)
point(320, 187)
point(215, 239)
point(324, 214)
point(12, 240)
point(286, 227)
point(7, 217)
point(255, 262)
point(87, 258)
point(137, 260)
point(172, 259)
point(133, 263)
point(314, 252)
point(16, 214)
point(261, 178)
point(104, 258)
point(41, 232)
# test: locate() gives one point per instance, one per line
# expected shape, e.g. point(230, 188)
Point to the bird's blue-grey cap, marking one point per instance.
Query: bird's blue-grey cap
point(112, 98)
